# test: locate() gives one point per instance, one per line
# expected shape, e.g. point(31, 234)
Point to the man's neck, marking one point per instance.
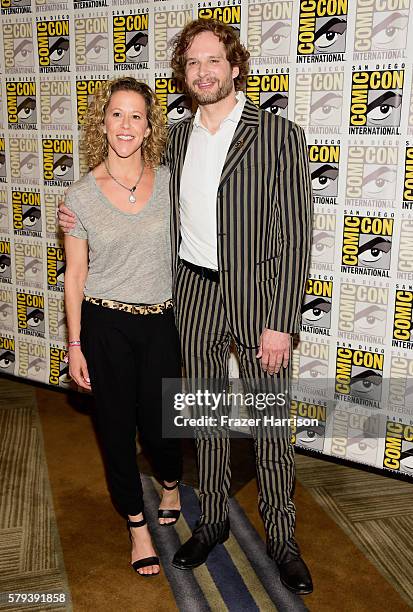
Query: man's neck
point(212, 115)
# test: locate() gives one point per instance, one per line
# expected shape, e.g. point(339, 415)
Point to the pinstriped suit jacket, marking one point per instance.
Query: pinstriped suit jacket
point(264, 210)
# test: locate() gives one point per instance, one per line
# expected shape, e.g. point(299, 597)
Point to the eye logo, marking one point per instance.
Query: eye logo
point(381, 33)
point(324, 171)
point(363, 312)
point(130, 41)
point(58, 369)
point(359, 373)
point(27, 216)
point(269, 92)
point(53, 43)
point(30, 314)
point(5, 262)
point(316, 309)
point(58, 161)
point(304, 435)
point(322, 30)
point(269, 31)
point(21, 104)
point(175, 104)
point(376, 101)
point(7, 355)
point(398, 450)
point(367, 243)
point(92, 42)
point(319, 101)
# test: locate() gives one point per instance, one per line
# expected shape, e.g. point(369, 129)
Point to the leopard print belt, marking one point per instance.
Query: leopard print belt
point(141, 309)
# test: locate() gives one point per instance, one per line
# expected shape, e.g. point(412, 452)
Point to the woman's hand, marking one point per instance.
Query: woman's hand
point(78, 368)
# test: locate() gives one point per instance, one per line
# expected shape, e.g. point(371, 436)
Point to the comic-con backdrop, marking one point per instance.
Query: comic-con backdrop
point(343, 71)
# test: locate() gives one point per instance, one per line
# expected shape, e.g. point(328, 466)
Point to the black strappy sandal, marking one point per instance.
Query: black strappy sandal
point(147, 561)
point(169, 514)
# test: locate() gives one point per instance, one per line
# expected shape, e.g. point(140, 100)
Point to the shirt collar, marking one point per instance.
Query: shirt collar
point(234, 116)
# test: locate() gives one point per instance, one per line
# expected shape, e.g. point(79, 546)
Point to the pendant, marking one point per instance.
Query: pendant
point(132, 199)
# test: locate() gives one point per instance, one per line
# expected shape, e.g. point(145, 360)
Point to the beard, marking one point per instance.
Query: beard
point(211, 97)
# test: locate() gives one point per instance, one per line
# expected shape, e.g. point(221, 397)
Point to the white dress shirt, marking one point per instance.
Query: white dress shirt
point(201, 173)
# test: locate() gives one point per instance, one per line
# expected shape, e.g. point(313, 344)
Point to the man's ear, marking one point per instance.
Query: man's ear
point(235, 72)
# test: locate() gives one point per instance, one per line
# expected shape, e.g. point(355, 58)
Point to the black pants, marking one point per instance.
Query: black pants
point(127, 357)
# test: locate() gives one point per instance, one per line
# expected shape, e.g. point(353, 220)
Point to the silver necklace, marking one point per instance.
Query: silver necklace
point(132, 190)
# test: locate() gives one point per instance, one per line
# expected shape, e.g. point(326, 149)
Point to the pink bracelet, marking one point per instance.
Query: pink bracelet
point(73, 343)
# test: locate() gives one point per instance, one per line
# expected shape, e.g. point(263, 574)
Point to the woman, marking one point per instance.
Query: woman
point(122, 337)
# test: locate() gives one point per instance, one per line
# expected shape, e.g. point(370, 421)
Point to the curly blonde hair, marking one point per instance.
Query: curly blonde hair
point(237, 54)
point(95, 141)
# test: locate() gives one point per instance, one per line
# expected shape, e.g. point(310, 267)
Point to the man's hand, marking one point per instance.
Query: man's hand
point(274, 350)
point(66, 218)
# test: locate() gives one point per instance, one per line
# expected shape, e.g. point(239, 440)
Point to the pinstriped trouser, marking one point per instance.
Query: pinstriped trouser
point(205, 341)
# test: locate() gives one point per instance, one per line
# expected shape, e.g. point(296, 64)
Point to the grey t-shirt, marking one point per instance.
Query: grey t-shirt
point(129, 253)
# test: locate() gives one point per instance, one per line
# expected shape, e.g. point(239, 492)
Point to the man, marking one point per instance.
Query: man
point(241, 224)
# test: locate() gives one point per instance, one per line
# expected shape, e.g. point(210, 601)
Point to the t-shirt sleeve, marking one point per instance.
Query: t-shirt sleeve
point(79, 231)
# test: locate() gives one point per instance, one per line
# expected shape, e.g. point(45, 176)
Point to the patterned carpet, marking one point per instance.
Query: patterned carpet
point(376, 512)
point(354, 528)
point(30, 555)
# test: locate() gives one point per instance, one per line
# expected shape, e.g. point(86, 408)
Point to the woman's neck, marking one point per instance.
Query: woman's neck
point(124, 167)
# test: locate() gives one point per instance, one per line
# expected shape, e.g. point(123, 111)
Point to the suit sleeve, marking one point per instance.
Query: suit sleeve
point(294, 231)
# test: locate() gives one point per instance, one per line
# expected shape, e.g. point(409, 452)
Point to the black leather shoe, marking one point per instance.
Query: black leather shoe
point(294, 574)
point(195, 551)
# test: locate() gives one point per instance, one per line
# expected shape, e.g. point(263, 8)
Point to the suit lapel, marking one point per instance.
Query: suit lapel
point(244, 136)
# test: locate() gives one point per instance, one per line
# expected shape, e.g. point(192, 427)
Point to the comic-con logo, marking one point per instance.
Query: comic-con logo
point(367, 243)
point(410, 117)
point(51, 202)
point(24, 162)
point(269, 92)
point(403, 317)
point(319, 101)
point(53, 45)
point(310, 361)
point(308, 436)
point(359, 374)
point(21, 105)
point(12, 7)
point(324, 169)
point(18, 47)
point(6, 309)
point(227, 11)
point(4, 211)
point(175, 103)
point(371, 175)
point(269, 32)
point(28, 258)
point(30, 314)
point(58, 161)
point(381, 29)
point(32, 360)
point(56, 104)
point(363, 312)
point(317, 304)
point(58, 368)
point(131, 40)
point(57, 318)
point(400, 383)
point(2, 160)
point(1, 112)
point(398, 450)
point(322, 31)
point(85, 90)
point(92, 43)
point(408, 179)
point(7, 355)
point(56, 266)
point(354, 435)
point(405, 260)
point(376, 101)
point(5, 262)
point(27, 213)
point(322, 246)
point(167, 25)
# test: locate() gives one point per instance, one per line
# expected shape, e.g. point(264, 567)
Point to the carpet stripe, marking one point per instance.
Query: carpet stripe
point(254, 549)
point(225, 574)
point(184, 585)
